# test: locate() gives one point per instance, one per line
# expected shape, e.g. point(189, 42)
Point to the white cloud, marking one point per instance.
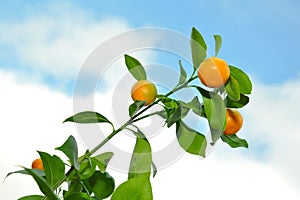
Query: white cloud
point(31, 117)
point(57, 44)
point(215, 178)
point(273, 117)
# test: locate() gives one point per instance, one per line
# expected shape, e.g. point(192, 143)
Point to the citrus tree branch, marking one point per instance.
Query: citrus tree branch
point(133, 119)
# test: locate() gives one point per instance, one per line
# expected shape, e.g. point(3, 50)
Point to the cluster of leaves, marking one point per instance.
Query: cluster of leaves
point(87, 177)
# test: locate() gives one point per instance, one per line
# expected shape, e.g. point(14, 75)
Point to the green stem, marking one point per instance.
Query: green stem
point(192, 78)
point(194, 71)
point(108, 138)
point(145, 116)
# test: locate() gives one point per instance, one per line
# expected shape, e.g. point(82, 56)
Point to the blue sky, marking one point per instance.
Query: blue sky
point(259, 36)
point(43, 45)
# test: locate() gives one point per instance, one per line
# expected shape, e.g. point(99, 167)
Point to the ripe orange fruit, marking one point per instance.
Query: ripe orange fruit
point(234, 122)
point(144, 90)
point(214, 72)
point(37, 164)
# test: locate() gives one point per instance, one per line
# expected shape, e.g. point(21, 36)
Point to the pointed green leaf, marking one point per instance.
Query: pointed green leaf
point(135, 68)
point(135, 107)
point(43, 184)
point(233, 89)
point(217, 112)
point(194, 104)
point(102, 160)
point(218, 43)
point(101, 184)
point(190, 140)
point(234, 141)
point(141, 135)
point(214, 108)
point(183, 74)
point(244, 100)
point(70, 149)
point(54, 168)
point(32, 197)
point(37, 171)
point(198, 48)
point(134, 189)
point(141, 159)
point(88, 117)
point(243, 79)
point(215, 135)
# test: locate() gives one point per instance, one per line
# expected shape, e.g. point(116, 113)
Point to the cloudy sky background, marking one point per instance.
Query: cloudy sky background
point(44, 44)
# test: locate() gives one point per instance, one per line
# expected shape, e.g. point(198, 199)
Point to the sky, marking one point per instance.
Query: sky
point(45, 45)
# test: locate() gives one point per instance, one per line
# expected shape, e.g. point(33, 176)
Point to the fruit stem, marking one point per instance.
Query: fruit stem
point(145, 116)
point(194, 71)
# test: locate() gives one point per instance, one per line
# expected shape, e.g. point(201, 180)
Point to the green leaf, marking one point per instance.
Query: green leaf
point(43, 184)
point(141, 135)
point(242, 78)
point(194, 104)
point(244, 100)
point(177, 115)
point(32, 197)
point(233, 89)
point(134, 189)
point(101, 184)
point(70, 149)
point(198, 48)
point(74, 187)
point(77, 196)
point(190, 140)
point(175, 110)
point(54, 168)
point(37, 171)
point(215, 135)
point(135, 107)
point(183, 74)
point(217, 112)
point(102, 160)
point(135, 68)
point(218, 43)
point(214, 108)
point(170, 105)
point(141, 159)
point(88, 117)
point(87, 168)
point(234, 141)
